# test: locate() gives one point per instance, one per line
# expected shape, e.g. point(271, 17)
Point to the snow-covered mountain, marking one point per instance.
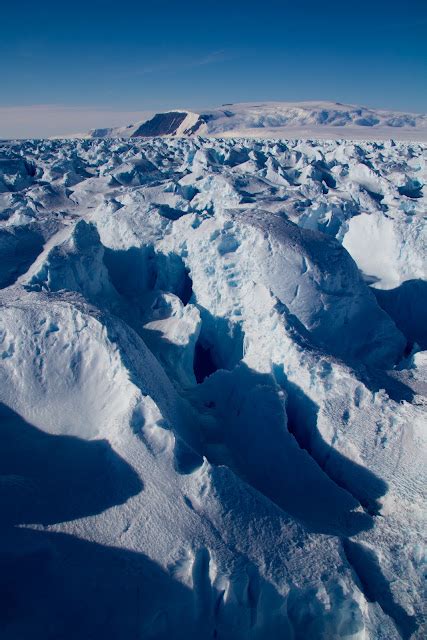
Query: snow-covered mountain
point(279, 120)
point(213, 388)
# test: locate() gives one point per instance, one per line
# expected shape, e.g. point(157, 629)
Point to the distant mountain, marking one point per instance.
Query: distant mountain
point(278, 120)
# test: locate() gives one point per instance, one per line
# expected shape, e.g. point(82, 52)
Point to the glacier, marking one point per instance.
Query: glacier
point(213, 383)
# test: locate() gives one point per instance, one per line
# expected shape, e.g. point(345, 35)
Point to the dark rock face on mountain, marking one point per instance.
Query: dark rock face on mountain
point(162, 124)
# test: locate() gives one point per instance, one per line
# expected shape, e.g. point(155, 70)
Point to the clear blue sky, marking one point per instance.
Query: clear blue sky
point(149, 55)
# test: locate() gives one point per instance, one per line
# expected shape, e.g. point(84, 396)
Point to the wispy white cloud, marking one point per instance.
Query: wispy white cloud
point(212, 58)
point(177, 64)
point(43, 120)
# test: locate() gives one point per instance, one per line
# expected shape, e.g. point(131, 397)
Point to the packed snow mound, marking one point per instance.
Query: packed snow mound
point(213, 387)
point(278, 120)
point(309, 273)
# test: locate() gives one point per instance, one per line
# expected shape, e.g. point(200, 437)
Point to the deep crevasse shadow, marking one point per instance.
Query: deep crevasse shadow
point(19, 247)
point(302, 412)
point(375, 586)
point(407, 306)
point(47, 478)
point(219, 345)
point(252, 437)
point(53, 585)
point(377, 380)
point(135, 271)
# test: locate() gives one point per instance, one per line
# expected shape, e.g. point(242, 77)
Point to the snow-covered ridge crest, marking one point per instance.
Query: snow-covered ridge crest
point(279, 120)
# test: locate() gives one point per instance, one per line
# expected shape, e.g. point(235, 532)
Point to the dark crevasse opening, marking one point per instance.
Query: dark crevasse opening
point(19, 247)
point(302, 417)
point(172, 275)
point(407, 306)
point(136, 270)
point(220, 345)
point(413, 189)
point(204, 364)
point(132, 271)
point(171, 213)
point(186, 289)
point(375, 586)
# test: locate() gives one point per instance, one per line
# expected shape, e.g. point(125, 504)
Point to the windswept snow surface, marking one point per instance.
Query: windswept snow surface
point(279, 120)
point(213, 383)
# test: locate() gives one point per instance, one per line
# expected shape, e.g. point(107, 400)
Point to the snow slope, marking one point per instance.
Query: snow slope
point(213, 384)
point(330, 120)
